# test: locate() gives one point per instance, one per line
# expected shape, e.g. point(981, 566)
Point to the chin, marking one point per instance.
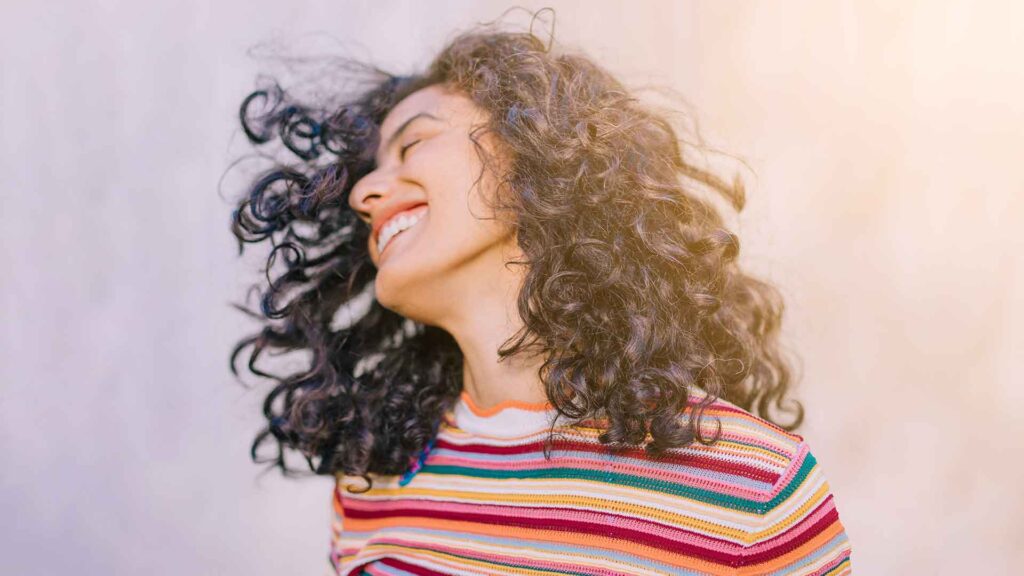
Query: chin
point(387, 291)
point(397, 288)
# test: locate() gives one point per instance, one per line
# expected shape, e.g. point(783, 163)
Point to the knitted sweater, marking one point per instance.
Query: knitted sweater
point(484, 500)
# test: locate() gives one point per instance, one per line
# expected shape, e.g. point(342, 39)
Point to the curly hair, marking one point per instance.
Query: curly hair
point(633, 291)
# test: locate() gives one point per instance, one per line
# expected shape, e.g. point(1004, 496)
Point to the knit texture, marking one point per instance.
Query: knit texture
point(484, 500)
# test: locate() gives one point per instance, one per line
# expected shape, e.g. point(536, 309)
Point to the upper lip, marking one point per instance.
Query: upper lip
point(388, 211)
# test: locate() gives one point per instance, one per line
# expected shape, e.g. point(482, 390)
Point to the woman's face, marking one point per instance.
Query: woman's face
point(433, 236)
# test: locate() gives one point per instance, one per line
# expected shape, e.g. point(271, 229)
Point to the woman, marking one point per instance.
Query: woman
point(559, 359)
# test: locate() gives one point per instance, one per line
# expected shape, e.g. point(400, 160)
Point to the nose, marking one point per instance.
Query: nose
point(368, 192)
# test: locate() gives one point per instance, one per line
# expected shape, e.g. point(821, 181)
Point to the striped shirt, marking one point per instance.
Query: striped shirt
point(484, 500)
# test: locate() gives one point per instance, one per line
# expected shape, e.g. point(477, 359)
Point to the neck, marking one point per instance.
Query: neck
point(490, 383)
point(480, 327)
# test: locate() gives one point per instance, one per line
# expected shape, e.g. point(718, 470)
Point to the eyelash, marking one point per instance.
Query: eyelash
point(401, 152)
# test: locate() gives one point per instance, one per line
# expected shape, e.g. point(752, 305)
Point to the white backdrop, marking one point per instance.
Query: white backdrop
point(886, 139)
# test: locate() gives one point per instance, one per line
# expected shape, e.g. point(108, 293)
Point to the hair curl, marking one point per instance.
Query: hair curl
point(633, 289)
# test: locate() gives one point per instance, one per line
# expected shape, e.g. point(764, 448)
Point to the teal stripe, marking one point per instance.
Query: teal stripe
point(798, 480)
point(618, 478)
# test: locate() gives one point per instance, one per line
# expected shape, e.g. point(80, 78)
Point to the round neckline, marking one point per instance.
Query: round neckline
point(540, 407)
point(508, 420)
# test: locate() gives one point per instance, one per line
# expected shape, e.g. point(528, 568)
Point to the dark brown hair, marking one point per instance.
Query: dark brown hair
point(633, 290)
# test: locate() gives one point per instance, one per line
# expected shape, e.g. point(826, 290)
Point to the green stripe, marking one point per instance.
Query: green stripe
point(618, 478)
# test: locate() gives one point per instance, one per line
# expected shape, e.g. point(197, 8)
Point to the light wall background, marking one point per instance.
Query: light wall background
point(885, 140)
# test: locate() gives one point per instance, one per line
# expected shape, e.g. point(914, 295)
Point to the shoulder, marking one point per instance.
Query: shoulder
point(746, 464)
point(749, 446)
point(747, 451)
point(739, 430)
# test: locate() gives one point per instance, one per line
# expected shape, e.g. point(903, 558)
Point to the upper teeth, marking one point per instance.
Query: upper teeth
point(394, 226)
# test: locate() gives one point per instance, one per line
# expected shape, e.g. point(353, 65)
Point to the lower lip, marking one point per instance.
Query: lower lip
point(400, 235)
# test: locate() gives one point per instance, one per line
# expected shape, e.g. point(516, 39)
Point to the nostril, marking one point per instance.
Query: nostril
point(358, 206)
point(364, 200)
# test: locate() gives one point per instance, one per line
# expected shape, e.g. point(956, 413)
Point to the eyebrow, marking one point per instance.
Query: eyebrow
point(398, 132)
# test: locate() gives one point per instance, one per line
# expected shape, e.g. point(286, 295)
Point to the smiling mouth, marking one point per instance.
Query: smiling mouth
point(398, 224)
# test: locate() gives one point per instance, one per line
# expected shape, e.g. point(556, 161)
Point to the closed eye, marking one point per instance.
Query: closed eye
point(401, 152)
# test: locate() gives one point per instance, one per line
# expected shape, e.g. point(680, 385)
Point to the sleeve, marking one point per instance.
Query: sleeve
point(337, 518)
point(799, 532)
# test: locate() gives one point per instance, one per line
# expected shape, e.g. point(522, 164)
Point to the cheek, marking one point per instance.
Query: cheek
point(451, 225)
point(464, 201)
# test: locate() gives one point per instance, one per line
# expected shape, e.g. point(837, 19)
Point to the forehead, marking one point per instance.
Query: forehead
point(448, 105)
